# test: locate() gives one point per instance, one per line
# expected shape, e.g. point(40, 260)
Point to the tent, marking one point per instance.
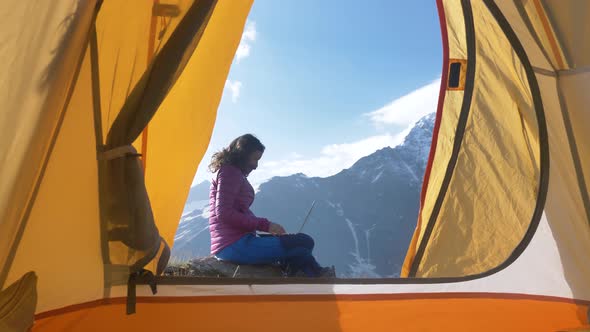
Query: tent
point(108, 107)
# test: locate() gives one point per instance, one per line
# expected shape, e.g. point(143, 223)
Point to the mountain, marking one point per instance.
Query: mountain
point(192, 236)
point(363, 218)
point(197, 198)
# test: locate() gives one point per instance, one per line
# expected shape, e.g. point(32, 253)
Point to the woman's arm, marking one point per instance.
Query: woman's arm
point(229, 181)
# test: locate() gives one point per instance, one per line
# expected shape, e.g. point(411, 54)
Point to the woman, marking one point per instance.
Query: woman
point(233, 226)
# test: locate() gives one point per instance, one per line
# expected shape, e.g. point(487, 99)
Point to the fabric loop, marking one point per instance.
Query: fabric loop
point(119, 152)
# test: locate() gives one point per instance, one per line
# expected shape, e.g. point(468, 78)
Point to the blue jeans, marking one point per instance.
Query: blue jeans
point(290, 250)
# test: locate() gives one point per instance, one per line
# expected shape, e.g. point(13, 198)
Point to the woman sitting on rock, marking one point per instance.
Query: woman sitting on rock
point(233, 226)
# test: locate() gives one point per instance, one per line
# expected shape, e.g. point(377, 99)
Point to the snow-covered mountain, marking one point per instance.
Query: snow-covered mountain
point(197, 198)
point(363, 218)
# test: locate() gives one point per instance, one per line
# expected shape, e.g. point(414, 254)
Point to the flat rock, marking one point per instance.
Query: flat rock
point(212, 267)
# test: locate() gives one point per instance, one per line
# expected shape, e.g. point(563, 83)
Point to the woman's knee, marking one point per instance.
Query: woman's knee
point(297, 240)
point(306, 241)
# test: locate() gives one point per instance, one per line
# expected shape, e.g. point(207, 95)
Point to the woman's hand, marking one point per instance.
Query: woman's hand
point(276, 229)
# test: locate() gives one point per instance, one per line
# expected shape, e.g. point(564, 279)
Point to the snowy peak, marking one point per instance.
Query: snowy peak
point(407, 159)
point(418, 141)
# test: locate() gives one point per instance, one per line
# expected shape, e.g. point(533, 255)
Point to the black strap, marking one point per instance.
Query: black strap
point(141, 277)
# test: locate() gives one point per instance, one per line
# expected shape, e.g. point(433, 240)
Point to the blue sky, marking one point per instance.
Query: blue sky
point(323, 82)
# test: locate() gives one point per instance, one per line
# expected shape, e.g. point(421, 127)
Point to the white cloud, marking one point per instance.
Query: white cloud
point(234, 87)
point(407, 109)
point(250, 31)
point(356, 150)
point(294, 155)
point(248, 37)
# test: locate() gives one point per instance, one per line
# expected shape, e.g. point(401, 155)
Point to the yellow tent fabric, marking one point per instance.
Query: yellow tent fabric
point(67, 188)
point(499, 160)
point(35, 90)
point(110, 105)
point(497, 164)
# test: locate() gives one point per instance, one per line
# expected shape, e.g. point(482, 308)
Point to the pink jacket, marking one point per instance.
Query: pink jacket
point(230, 197)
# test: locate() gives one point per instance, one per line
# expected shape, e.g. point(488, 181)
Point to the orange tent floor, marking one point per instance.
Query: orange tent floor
point(401, 312)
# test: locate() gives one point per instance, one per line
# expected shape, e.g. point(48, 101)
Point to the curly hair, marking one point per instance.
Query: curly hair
point(236, 153)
